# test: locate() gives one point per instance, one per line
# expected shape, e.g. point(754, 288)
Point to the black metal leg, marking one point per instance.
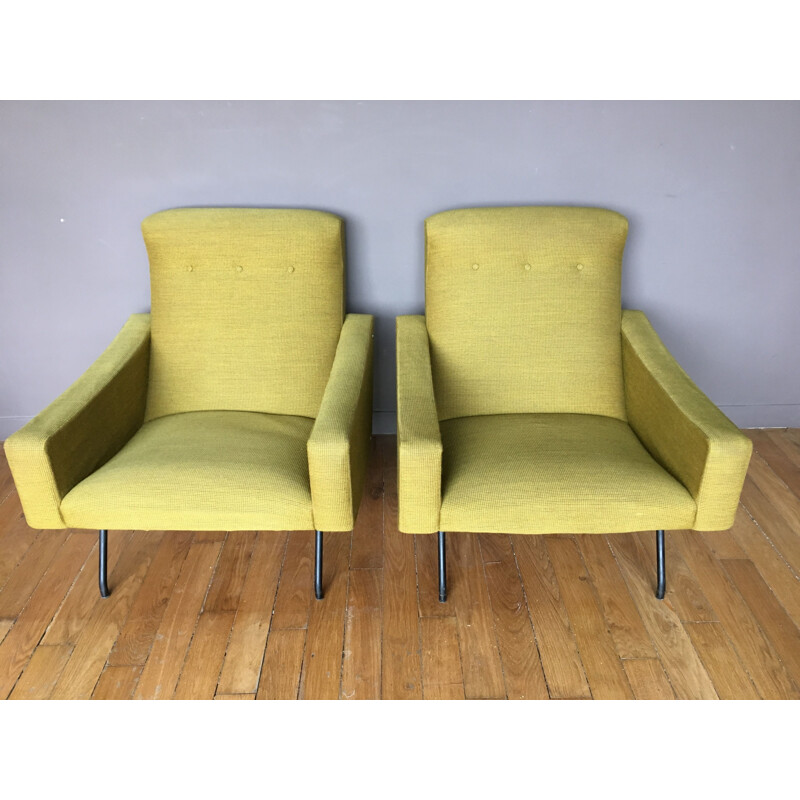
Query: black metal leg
point(442, 570)
point(104, 564)
point(318, 567)
point(660, 569)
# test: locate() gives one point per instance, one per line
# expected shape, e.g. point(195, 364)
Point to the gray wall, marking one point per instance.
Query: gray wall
point(712, 191)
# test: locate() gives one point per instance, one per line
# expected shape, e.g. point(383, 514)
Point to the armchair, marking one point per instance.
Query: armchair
point(242, 401)
point(528, 402)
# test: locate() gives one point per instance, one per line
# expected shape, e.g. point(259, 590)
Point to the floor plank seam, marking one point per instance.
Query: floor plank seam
point(492, 616)
point(530, 620)
point(272, 612)
point(771, 543)
point(197, 620)
point(344, 625)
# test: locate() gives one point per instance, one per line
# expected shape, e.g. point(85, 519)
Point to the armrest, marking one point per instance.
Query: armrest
point(83, 428)
point(683, 430)
point(338, 448)
point(419, 441)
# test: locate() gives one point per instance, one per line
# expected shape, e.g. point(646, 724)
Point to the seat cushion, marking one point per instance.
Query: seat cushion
point(207, 470)
point(554, 473)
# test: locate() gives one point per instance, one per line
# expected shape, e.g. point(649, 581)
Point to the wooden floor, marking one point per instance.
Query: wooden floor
point(232, 616)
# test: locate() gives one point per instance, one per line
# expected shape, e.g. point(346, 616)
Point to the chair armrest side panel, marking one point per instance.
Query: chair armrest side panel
point(683, 430)
point(338, 448)
point(84, 427)
point(419, 442)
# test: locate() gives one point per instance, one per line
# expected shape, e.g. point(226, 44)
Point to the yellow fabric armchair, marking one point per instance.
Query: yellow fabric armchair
point(241, 402)
point(528, 402)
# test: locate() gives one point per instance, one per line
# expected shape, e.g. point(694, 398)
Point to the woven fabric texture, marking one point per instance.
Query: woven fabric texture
point(338, 448)
point(554, 473)
point(686, 433)
point(208, 470)
point(83, 428)
point(247, 306)
point(419, 443)
point(523, 310)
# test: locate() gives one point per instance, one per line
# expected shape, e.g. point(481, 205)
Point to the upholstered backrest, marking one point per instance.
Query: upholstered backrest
point(523, 310)
point(247, 307)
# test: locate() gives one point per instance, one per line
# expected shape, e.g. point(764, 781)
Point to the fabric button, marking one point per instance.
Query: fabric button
point(239, 269)
point(189, 268)
point(580, 267)
point(474, 266)
point(527, 266)
point(291, 269)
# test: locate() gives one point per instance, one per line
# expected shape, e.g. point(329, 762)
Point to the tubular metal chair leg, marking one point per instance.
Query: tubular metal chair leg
point(318, 566)
point(104, 564)
point(660, 568)
point(442, 570)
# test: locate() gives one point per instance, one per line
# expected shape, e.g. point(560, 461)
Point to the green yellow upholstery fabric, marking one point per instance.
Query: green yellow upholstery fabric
point(83, 428)
point(685, 432)
point(211, 420)
point(523, 310)
point(338, 448)
point(419, 442)
point(259, 293)
point(554, 473)
point(205, 470)
point(528, 402)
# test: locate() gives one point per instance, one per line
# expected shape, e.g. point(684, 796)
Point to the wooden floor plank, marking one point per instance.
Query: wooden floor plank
point(321, 678)
point(139, 631)
point(648, 679)
point(200, 673)
point(495, 547)
point(165, 662)
point(251, 627)
point(24, 636)
point(631, 639)
point(25, 578)
point(84, 594)
point(401, 664)
point(367, 548)
point(361, 667)
point(729, 677)
point(754, 650)
point(769, 613)
point(522, 667)
point(775, 508)
point(296, 588)
point(685, 670)
point(781, 455)
point(562, 665)
point(5, 627)
point(607, 680)
point(107, 617)
point(229, 576)
point(250, 696)
point(117, 683)
point(16, 537)
point(42, 672)
point(773, 568)
point(283, 660)
point(469, 594)
point(442, 678)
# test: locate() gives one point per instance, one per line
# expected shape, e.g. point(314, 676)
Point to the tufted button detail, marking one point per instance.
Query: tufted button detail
point(189, 268)
point(580, 267)
point(239, 268)
point(474, 266)
point(291, 269)
point(528, 267)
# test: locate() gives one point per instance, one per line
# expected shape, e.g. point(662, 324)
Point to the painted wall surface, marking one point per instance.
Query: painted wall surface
point(712, 192)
